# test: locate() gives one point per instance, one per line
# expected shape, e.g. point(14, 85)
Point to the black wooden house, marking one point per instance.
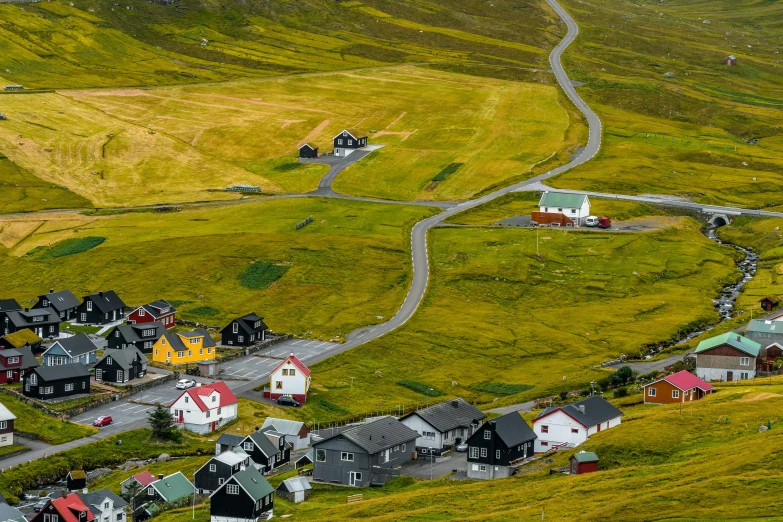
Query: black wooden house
point(244, 497)
point(120, 366)
point(218, 469)
point(101, 308)
point(308, 151)
point(244, 331)
point(63, 302)
point(498, 445)
point(44, 322)
point(76, 480)
point(142, 336)
point(267, 448)
point(54, 382)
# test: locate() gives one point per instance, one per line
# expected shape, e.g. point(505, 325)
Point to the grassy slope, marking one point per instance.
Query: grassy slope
point(20, 191)
point(347, 267)
point(50, 430)
point(622, 53)
point(492, 304)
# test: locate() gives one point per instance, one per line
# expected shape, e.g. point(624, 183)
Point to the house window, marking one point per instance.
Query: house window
point(190, 353)
point(148, 333)
point(195, 340)
point(105, 505)
point(48, 390)
point(108, 360)
point(209, 350)
point(186, 398)
point(574, 430)
point(483, 467)
point(83, 318)
point(291, 372)
point(744, 361)
point(675, 394)
point(487, 435)
point(285, 371)
point(744, 375)
point(221, 481)
point(544, 443)
point(150, 491)
point(219, 410)
point(350, 142)
point(201, 351)
point(235, 328)
point(156, 352)
point(9, 374)
point(348, 457)
point(214, 398)
point(248, 446)
point(403, 447)
point(34, 379)
point(163, 340)
point(89, 306)
point(116, 333)
point(13, 360)
point(142, 312)
point(483, 452)
point(573, 211)
point(180, 354)
point(232, 489)
point(497, 454)
point(560, 210)
point(278, 385)
point(3, 425)
point(240, 338)
point(544, 429)
point(212, 468)
point(339, 142)
point(120, 516)
point(69, 386)
point(51, 329)
point(651, 392)
point(320, 455)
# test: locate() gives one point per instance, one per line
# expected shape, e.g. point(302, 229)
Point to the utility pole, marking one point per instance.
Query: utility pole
point(352, 378)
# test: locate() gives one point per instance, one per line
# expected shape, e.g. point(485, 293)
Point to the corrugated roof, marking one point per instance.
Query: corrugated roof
point(106, 301)
point(132, 332)
point(264, 444)
point(585, 456)
point(173, 487)
point(451, 414)
point(764, 326)
point(296, 362)
point(685, 380)
point(10, 514)
point(76, 345)
point(63, 371)
point(512, 429)
point(562, 200)
point(5, 413)
point(597, 410)
point(9, 304)
point(295, 484)
point(68, 506)
point(231, 458)
point(735, 340)
point(145, 478)
point(227, 439)
point(199, 393)
point(95, 499)
point(62, 300)
point(286, 426)
point(377, 435)
point(123, 356)
point(253, 482)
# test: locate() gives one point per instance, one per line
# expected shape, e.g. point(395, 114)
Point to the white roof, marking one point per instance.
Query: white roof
point(231, 458)
point(285, 426)
point(5, 413)
point(297, 484)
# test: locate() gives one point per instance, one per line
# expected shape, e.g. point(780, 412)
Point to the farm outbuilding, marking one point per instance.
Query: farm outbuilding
point(730, 60)
point(308, 151)
point(769, 303)
point(584, 462)
point(76, 480)
point(295, 489)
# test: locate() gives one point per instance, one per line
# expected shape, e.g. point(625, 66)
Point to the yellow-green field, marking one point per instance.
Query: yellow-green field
point(350, 265)
point(492, 304)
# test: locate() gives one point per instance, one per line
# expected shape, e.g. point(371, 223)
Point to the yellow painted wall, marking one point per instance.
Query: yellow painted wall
point(162, 351)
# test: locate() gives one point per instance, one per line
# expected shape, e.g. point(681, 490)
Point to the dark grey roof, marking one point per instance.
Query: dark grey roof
point(94, 500)
point(11, 352)
point(106, 301)
point(264, 444)
point(177, 345)
point(24, 318)
point(63, 371)
point(62, 300)
point(447, 415)
point(76, 345)
point(28, 359)
point(123, 356)
point(8, 305)
point(132, 332)
point(597, 410)
point(512, 429)
point(378, 435)
point(8, 513)
point(156, 308)
point(227, 439)
point(247, 323)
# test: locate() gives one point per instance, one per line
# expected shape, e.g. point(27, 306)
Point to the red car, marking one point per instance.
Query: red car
point(103, 420)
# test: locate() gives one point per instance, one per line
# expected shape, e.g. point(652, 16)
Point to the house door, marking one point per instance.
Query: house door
point(98, 374)
point(181, 416)
point(729, 375)
point(354, 478)
point(573, 467)
point(213, 425)
point(39, 332)
point(114, 315)
point(298, 496)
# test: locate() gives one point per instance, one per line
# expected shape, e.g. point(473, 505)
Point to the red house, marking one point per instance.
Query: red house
point(14, 363)
point(159, 310)
point(584, 462)
point(67, 508)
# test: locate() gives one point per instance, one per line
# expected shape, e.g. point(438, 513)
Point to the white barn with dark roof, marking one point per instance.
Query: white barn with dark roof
point(569, 426)
point(443, 425)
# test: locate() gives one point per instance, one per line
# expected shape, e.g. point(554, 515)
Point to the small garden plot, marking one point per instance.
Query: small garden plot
point(72, 246)
point(260, 275)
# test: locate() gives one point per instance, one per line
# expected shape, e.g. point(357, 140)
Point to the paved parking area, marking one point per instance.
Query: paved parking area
point(424, 469)
point(258, 365)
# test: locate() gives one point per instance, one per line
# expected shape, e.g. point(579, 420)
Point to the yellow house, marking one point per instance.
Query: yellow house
point(184, 347)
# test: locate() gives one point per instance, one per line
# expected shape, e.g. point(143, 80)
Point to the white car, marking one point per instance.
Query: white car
point(184, 384)
point(591, 221)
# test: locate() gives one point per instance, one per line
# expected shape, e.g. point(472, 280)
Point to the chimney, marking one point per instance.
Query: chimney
point(582, 408)
point(26, 308)
point(64, 494)
point(455, 404)
point(51, 290)
point(160, 476)
point(84, 491)
point(738, 338)
point(100, 294)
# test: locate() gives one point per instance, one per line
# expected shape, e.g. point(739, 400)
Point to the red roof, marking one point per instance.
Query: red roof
point(685, 380)
point(70, 507)
point(299, 364)
point(226, 395)
point(145, 478)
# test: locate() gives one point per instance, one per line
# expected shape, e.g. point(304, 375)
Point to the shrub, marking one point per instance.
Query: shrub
point(424, 389)
point(260, 275)
point(447, 171)
point(620, 392)
point(501, 388)
point(585, 393)
point(71, 246)
point(563, 395)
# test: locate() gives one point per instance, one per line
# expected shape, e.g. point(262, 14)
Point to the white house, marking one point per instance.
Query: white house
point(105, 505)
point(291, 377)
point(206, 408)
point(576, 207)
point(571, 425)
point(6, 426)
point(443, 425)
point(296, 432)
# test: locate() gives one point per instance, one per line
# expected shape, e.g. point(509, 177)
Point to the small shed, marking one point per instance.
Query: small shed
point(584, 462)
point(76, 480)
point(308, 151)
point(295, 489)
point(208, 368)
point(769, 303)
point(730, 60)
point(304, 460)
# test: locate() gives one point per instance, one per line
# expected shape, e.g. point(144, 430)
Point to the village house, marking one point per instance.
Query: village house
point(184, 347)
point(291, 378)
point(20, 339)
point(14, 363)
point(11, 514)
point(227, 442)
point(562, 208)
point(583, 462)
point(244, 497)
point(142, 336)
point(244, 331)
point(66, 508)
point(569, 426)
point(296, 432)
point(6, 426)
point(120, 366)
point(55, 382)
point(157, 311)
point(305, 460)
point(204, 409)
point(727, 357)
point(294, 489)
point(101, 308)
point(137, 482)
point(682, 386)
point(307, 151)
point(348, 141)
point(765, 332)
point(267, 448)
point(370, 453)
point(44, 322)
point(9, 305)
point(218, 469)
point(63, 302)
point(443, 425)
point(105, 504)
point(69, 350)
point(498, 445)
point(76, 479)
point(164, 490)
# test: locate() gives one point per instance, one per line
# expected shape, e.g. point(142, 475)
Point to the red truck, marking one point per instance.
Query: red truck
point(604, 222)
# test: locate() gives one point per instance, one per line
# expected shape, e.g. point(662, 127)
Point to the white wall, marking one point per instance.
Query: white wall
point(719, 374)
point(419, 425)
point(577, 216)
point(560, 426)
point(193, 415)
point(292, 385)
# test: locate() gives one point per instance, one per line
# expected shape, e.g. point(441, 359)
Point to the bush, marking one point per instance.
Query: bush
point(563, 395)
point(620, 392)
point(204, 310)
point(447, 171)
point(500, 388)
point(260, 275)
point(71, 246)
point(424, 389)
point(585, 393)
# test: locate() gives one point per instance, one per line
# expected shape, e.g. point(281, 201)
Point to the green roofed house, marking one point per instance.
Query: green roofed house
point(727, 357)
point(564, 208)
point(162, 491)
point(244, 497)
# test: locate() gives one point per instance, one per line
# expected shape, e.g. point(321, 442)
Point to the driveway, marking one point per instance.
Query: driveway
point(646, 367)
point(424, 469)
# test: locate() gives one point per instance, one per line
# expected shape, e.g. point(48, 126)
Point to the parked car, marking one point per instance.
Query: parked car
point(604, 222)
point(103, 420)
point(184, 384)
point(462, 447)
point(41, 504)
point(591, 221)
point(193, 371)
point(286, 400)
